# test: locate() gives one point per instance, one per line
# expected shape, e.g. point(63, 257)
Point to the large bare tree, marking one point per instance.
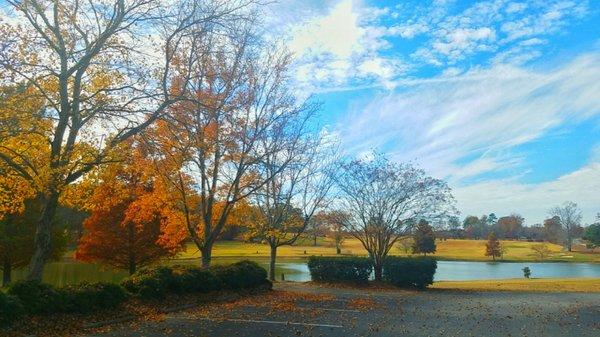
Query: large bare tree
point(105, 70)
point(569, 217)
point(382, 200)
point(237, 115)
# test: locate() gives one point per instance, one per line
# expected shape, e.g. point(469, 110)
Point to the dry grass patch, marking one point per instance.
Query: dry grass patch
point(536, 285)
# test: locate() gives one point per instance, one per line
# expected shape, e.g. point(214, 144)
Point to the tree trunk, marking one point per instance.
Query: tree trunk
point(131, 233)
point(131, 267)
point(43, 239)
point(206, 255)
point(6, 270)
point(338, 251)
point(272, 260)
point(314, 240)
point(378, 271)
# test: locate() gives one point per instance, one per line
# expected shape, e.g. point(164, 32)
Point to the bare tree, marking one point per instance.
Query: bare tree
point(105, 70)
point(406, 244)
point(569, 217)
point(299, 186)
point(239, 115)
point(541, 250)
point(384, 198)
point(334, 227)
point(315, 229)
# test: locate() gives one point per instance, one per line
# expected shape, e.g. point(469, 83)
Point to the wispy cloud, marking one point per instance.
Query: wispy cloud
point(481, 113)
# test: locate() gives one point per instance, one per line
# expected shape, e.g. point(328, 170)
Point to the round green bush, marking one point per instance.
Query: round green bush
point(150, 283)
point(11, 309)
point(39, 298)
point(241, 275)
point(188, 279)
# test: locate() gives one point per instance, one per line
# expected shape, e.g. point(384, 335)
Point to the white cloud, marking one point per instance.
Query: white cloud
point(337, 33)
point(488, 26)
point(342, 45)
point(515, 7)
point(533, 200)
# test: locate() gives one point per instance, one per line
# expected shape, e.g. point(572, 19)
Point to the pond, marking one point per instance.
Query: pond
point(71, 272)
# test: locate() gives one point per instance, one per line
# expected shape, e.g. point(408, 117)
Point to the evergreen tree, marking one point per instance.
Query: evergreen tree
point(424, 239)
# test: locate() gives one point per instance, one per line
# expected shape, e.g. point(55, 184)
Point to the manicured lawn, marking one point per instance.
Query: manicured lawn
point(544, 285)
point(467, 250)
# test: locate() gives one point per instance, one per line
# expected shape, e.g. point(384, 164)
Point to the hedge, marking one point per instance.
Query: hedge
point(153, 282)
point(242, 275)
point(39, 298)
point(409, 271)
point(11, 309)
point(188, 279)
point(157, 282)
point(34, 297)
point(340, 269)
point(87, 297)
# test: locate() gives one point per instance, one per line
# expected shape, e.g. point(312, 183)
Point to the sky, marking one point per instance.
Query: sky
point(499, 98)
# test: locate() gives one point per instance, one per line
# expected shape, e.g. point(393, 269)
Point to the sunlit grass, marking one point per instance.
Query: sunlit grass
point(542, 285)
point(469, 250)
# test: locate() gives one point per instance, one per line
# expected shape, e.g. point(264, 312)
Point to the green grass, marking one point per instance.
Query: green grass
point(537, 285)
point(465, 250)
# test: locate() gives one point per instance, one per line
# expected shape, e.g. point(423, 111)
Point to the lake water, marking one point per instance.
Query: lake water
point(71, 272)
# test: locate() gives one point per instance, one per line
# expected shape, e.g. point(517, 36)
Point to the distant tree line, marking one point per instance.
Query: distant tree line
point(562, 226)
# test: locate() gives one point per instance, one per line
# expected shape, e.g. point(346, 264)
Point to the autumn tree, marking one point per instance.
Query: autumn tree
point(235, 118)
point(569, 217)
point(493, 247)
point(132, 223)
point(510, 227)
point(383, 199)
point(553, 231)
point(103, 70)
point(423, 238)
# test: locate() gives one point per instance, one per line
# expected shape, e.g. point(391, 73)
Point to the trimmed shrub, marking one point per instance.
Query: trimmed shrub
point(414, 272)
point(241, 275)
point(189, 279)
point(340, 269)
point(39, 298)
point(11, 309)
point(150, 283)
point(88, 297)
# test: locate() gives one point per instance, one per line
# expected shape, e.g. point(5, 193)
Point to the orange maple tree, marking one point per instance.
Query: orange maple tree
point(132, 222)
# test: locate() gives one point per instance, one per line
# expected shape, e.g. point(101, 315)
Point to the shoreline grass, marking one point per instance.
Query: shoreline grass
point(589, 285)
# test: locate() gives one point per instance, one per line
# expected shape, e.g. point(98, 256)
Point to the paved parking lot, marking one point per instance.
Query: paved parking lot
point(301, 310)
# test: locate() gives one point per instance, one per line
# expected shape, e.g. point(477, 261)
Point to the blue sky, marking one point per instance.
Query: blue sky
point(500, 98)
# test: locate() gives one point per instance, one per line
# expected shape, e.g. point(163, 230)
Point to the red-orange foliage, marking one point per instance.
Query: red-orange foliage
point(132, 222)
